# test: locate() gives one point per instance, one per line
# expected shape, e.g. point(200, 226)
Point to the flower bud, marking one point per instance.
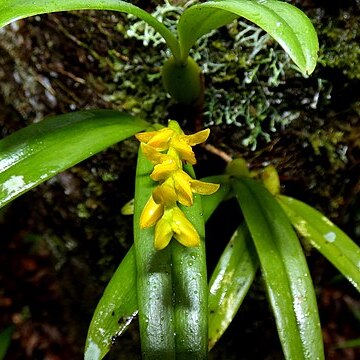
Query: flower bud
point(151, 213)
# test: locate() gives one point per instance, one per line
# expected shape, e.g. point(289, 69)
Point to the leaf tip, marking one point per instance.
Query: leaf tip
point(92, 351)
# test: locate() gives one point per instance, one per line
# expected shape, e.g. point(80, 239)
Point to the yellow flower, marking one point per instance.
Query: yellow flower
point(159, 139)
point(167, 149)
point(151, 213)
point(183, 143)
point(176, 184)
point(165, 193)
point(164, 139)
point(175, 224)
point(166, 167)
point(163, 234)
point(184, 231)
point(181, 186)
point(152, 154)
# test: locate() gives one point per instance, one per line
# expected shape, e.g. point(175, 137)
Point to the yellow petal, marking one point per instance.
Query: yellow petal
point(152, 154)
point(151, 213)
point(174, 155)
point(145, 136)
point(165, 193)
point(163, 234)
point(183, 187)
point(203, 188)
point(184, 231)
point(198, 138)
point(163, 170)
point(183, 148)
point(160, 141)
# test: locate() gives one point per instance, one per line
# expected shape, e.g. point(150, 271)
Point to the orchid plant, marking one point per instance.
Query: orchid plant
point(181, 75)
point(164, 282)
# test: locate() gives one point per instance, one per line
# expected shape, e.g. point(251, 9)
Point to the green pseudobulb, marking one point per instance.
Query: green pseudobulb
point(183, 81)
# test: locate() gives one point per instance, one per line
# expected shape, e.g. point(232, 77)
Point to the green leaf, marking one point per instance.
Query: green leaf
point(191, 289)
point(119, 297)
point(115, 310)
point(230, 282)
point(289, 26)
point(154, 277)
point(283, 266)
point(324, 236)
point(191, 292)
point(38, 152)
point(171, 284)
point(11, 10)
point(5, 340)
point(353, 343)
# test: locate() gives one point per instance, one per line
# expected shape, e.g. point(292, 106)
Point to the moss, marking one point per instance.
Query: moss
point(340, 43)
point(332, 142)
point(243, 70)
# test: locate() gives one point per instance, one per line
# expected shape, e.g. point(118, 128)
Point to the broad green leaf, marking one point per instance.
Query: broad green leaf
point(115, 311)
point(191, 288)
point(230, 282)
point(119, 297)
point(324, 236)
point(154, 282)
point(171, 284)
point(289, 26)
point(11, 10)
point(38, 152)
point(283, 266)
point(191, 292)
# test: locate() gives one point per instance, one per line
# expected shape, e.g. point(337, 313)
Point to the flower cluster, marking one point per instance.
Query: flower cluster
point(168, 149)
